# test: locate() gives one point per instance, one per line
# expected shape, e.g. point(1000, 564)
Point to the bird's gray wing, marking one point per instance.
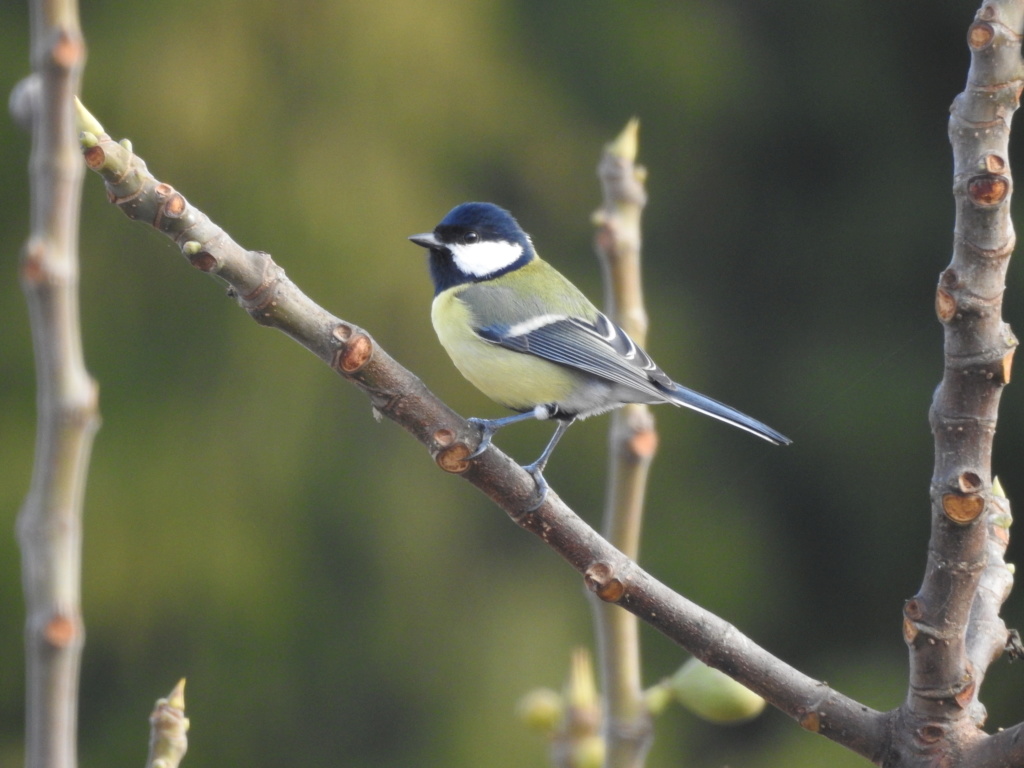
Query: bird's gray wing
point(600, 348)
point(603, 349)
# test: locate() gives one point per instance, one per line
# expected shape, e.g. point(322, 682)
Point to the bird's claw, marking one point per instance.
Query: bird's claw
point(536, 472)
point(487, 430)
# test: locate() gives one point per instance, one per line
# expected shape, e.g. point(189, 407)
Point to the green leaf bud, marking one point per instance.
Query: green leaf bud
point(713, 695)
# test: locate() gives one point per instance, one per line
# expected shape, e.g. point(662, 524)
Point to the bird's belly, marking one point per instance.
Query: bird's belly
point(516, 380)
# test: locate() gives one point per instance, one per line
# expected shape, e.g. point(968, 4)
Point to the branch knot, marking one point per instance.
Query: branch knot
point(602, 581)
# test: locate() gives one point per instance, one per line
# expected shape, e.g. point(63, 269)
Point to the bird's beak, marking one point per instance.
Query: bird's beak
point(426, 240)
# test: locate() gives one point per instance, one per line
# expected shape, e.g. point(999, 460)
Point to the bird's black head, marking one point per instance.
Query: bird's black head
point(475, 242)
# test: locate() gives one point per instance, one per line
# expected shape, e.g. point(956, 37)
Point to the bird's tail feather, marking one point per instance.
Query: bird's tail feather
point(687, 397)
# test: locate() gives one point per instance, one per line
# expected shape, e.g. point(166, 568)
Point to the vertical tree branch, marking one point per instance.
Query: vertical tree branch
point(49, 523)
point(987, 635)
point(632, 443)
point(945, 674)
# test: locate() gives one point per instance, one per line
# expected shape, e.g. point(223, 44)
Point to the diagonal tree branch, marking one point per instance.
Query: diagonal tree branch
point(49, 522)
point(262, 289)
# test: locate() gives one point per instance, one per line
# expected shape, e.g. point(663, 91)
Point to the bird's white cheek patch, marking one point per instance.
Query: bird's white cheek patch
point(485, 257)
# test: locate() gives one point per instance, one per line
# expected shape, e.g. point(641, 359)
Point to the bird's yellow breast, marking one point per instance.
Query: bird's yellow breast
point(516, 380)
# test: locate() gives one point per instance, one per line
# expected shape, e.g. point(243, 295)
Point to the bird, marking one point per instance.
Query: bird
point(529, 339)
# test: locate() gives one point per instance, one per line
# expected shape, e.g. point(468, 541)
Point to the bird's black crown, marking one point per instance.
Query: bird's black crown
point(485, 220)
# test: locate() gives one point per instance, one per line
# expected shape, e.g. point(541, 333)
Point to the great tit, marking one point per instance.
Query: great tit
point(531, 341)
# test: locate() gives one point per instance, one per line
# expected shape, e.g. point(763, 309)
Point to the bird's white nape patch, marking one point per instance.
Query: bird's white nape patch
point(531, 325)
point(484, 257)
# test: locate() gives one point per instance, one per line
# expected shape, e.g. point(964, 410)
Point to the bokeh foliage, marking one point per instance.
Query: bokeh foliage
point(331, 596)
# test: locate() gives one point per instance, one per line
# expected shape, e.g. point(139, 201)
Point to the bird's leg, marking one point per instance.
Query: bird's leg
point(489, 426)
point(536, 469)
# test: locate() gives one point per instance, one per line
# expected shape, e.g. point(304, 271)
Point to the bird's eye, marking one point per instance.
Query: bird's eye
point(470, 237)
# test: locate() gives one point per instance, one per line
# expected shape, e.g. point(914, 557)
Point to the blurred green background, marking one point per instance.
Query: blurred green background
point(331, 596)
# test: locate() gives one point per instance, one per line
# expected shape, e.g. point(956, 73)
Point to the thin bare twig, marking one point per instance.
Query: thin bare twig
point(49, 523)
point(632, 442)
